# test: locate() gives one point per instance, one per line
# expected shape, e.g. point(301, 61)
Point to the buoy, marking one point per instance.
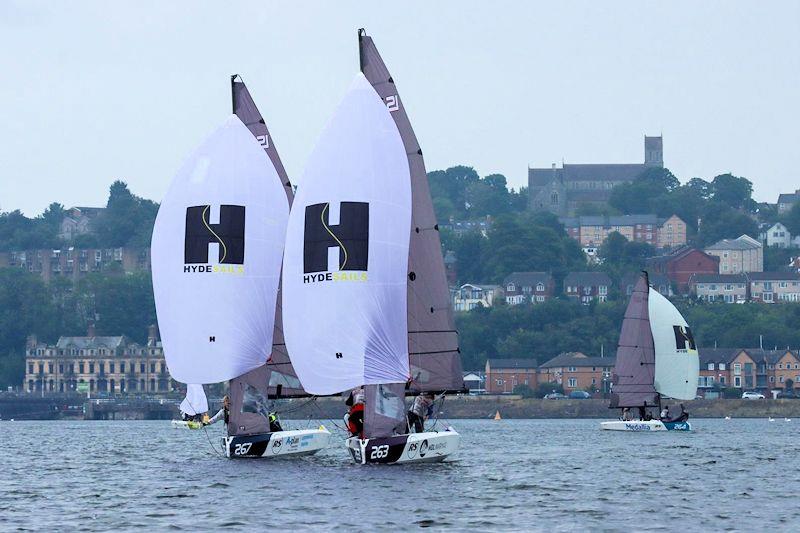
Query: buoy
point(497, 416)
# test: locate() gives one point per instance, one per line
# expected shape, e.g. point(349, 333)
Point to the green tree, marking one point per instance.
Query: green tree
point(733, 191)
point(719, 221)
point(792, 220)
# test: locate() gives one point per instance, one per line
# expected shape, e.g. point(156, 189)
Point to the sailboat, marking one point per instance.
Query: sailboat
point(216, 260)
point(656, 359)
point(195, 404)
point(364, 289)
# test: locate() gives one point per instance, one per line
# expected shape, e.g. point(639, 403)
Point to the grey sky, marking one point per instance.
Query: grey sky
point(94, 91)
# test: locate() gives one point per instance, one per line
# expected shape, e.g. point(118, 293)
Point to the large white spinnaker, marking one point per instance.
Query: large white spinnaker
point(195, 402)
point(346, 257)
point(677, 361)
point(216, 258)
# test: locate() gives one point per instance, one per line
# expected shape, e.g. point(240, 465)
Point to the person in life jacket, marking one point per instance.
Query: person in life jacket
point(222, 414)
point(274, 423)
point(354, 419)
point(421, 409)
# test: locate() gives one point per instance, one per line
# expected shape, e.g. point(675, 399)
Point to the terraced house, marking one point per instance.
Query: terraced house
point(503, 375)
point(729, 288)
point(528, 287)
point(592, 231)
point(771, 287)
point(577, 371)
point(98, 364)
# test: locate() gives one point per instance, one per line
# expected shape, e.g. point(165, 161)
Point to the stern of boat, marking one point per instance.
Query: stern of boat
point(277, 444)
point(426, 447)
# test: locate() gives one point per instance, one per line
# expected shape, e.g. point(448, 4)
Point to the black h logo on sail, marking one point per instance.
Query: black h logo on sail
point(351, 236)
point(229, 233)
point(683, 338)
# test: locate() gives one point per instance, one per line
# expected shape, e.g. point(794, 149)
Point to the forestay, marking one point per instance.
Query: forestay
point(346, 257)
point(216, 258)
point(195, 402)
point(677, 361)
point(432, 338)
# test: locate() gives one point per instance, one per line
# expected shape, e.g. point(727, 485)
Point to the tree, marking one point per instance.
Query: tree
point(792, 219)
point(127, 220)
point(733, 191)
point(524, 390)
point(720, 221)
point(644, 193)
point(543, 389)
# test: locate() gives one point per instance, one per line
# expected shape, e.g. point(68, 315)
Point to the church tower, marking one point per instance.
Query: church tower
point(653, 151)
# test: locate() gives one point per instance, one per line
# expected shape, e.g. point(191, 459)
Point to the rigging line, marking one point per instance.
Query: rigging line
point(205, 429)
point(431, 353)
point(322, 219)
point(205, 223)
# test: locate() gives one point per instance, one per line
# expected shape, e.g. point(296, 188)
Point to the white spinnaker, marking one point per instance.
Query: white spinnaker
point(218, 325)
point(195, 401)
point(342, 334)
point(677, 369)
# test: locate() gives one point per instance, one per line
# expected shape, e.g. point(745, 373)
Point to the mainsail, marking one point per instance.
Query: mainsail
point(432, 337)
point(216, 258)
point(281, 377)
point(656, 355)
point(195, 402)
point(345, 261)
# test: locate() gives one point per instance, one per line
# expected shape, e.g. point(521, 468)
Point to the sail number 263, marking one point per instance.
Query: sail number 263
point(379, 452)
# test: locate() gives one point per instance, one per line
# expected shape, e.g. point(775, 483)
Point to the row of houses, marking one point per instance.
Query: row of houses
point(73, 263)
point(764, 287)
point(740, 368)
point(592, 231)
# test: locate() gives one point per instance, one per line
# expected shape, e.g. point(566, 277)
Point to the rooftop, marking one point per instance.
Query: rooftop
point(528, 278)
point(718, 278)
point(587, 279)
point(743, 242)
point(578, 359)
point(512, 363)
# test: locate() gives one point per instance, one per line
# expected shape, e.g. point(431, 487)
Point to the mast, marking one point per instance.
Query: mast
point(432, 338)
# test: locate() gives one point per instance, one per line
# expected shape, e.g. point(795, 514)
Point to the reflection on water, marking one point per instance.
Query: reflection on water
point(509, 474)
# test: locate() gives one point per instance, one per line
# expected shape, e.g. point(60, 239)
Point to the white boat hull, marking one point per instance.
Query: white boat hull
point(644, 426)
point(277, 444)
point(426, 447)
point(186, 424)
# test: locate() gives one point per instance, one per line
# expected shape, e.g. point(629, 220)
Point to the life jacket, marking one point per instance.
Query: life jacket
point(351, 425)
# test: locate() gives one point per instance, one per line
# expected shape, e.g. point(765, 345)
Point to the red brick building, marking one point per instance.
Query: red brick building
point(575, 371)
point(502, 375)
point(681, 264)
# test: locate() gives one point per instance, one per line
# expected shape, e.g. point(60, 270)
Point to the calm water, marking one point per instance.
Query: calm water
point(512, 474)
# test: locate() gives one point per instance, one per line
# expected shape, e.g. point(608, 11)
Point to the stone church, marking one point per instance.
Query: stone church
point(563, 190)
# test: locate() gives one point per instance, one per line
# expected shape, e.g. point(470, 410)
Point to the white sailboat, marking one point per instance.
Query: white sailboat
point(216, 261)
point(193, 406)
point(364, 290)
point(656, 360)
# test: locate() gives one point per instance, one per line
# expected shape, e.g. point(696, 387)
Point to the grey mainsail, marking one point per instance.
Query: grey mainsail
point(432, 338)
point(634, 371)
point(250, 392)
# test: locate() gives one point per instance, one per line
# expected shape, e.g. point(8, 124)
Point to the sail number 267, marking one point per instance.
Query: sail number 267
point(379, 452)
point(242, 449)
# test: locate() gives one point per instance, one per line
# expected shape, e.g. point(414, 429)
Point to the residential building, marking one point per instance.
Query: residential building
point(108, 364)
point(777, 236)
point(563, 190)
point(592, 231)
point(75, 263)
point(502, 375)
point(659, 282)
point(469, 296)
point(715, 367)
point(528, 287)
point(775, 368)
point(78, 221)
point(680, 264)
point(576, 371)
point(728, 288)
point(587, 286)
point(474, 382)
point(743, 254)
point(787, 201)
point(770, 287)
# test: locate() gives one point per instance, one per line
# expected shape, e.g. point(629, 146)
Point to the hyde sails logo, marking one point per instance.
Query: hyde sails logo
point(203, 237)
point(684, 340)
point(336, 242)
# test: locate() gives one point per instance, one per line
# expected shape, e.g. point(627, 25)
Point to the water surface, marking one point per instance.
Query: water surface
point(556, 475)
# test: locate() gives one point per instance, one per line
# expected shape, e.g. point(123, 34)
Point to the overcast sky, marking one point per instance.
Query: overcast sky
point(96, 91)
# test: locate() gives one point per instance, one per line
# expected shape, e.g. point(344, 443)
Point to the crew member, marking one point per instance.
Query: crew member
point(354, 419)
point(222, 414)
point(665, 413)
point(274, 423)
point(421, 409)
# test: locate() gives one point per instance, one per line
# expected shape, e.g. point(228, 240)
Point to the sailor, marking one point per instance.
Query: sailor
point(421, 409)
point(274, 423)
point(626, 414)
point(665, 413)
point(354, 419)
point(222, 414)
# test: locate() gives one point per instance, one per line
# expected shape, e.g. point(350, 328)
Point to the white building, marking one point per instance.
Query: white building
point(470, 296)
point(778, 236)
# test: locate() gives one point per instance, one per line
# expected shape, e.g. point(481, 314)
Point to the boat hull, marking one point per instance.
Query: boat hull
point(276, 444)
point(426, 447)
point(644, 426)
point(186, 424)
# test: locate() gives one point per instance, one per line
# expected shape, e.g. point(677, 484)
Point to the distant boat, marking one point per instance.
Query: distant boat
point(727, 418)
point(216, 257)
point(656, 358)
point(497, 416)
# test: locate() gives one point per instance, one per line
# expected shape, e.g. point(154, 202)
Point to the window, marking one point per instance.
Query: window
point(768, 297)
point(572, 369)
point(50, 367)
point(510, 287)
point(603, 290)
point(539, 287)
point(540, 298)
point(499, 381)
point(80, 367)
point(737, 368)
point(141, 368)
point(30, 368)
point(781, 379)
point(91, 367)
point(152, 368)
point(594, 381)
point(102, 367)
point(572, 382)
point(772, 379)
point(722, 380)
point(711, 366)
point(111, 367)
point(737, 381)
point(722, 366)
point(122, 367)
